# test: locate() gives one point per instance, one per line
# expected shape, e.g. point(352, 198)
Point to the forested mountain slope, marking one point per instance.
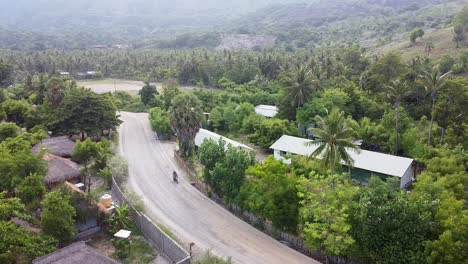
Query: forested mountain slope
point(370, 22)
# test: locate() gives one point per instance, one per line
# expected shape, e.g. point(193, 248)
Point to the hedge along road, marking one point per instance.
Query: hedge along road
point(190, 215)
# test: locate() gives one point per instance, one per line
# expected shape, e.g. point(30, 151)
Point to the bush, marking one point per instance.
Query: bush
point(160, 121)
point(58, 217)
point(133, 250)
point(31, 188)
point(119, 169)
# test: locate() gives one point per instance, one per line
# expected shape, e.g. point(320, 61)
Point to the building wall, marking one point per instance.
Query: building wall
point(409, 174)
point(278, 156)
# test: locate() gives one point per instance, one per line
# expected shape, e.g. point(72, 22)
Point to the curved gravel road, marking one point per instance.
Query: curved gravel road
point(190, 215)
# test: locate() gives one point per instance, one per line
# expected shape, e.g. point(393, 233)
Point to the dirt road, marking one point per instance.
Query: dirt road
point(190, 215)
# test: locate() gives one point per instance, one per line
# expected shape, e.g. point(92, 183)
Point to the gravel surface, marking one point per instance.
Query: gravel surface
point(190, 215)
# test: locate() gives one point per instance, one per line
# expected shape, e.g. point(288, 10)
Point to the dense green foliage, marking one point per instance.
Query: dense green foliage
point(224, 167)
point(270, 191)
point(57, 219)
point(16, 243)
point(85, 112)
point(160, 121)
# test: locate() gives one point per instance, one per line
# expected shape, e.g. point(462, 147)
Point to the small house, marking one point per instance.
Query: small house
point(60, 170)
point(366, 163)
point(204, 134)
point(58, 146)
point(268, 111)
point(76, 253)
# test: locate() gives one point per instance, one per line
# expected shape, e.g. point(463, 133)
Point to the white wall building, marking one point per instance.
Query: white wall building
point(380, 163)
point(206, 134)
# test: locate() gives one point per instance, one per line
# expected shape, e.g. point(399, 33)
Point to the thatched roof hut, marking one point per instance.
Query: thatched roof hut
point(76, 253)
point(59, 146)
point(60, 169)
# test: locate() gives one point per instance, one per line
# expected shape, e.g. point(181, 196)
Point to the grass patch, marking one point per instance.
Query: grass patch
point(209, 258)
point(169, 233)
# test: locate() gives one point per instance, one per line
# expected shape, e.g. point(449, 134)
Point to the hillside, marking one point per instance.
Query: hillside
point(373, 23)
point(442, 40)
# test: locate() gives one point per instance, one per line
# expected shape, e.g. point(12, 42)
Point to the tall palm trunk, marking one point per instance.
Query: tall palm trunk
point(429, 141)
point(397, 136)
point(444, 123)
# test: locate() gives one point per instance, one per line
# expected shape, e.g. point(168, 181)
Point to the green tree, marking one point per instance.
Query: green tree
point(229, 174)
point(57, 218)
point(446, 63)
point(299, 86)
point(83, 111)
point(384, 70)
point(16, 243)
point(415, 34)
point(17, 111)
point(18, 162)
point(169, 92)
point(186, 120)
point(271, 192)
point(31, 189)
point(55, 91)
point(10, 207)
point(325, 210)
point(147, 93)
point(216, 118)
point(8, 130)
point(321, 104)
point(6, 71)
point(460, 24)
point(450, 108)
point(160, 121)
point(93, 155)
point(397, 91)
point(385, 221)
point(270, 130)
point(210, 153)
point(334, 140)
point(433, 82)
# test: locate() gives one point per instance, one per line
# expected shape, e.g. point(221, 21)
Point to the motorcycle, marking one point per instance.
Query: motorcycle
point(175, 177)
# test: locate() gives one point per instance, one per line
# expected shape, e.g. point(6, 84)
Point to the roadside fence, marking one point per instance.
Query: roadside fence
point(152, 232)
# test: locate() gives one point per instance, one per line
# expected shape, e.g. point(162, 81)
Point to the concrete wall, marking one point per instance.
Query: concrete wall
point(152, 232)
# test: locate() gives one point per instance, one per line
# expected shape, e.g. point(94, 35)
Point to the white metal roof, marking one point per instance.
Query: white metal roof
point(266, 110)
point(366, 160)
point(206, 134)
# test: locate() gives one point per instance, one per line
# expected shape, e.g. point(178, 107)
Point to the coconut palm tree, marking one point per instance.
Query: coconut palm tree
point(433, 82)
point(396, 91)
point(300, 86)
point(186, 117)
point(334, 139)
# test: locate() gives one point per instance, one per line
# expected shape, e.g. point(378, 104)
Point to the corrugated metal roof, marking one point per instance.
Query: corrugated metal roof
point(366, 160)
point(206, 134)
point(266, 110)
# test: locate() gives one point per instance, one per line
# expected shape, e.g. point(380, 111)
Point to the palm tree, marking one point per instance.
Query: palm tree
point(396, 91)
point(433, 81)
point(334, 139)
point(299, 86)
point(186, 117)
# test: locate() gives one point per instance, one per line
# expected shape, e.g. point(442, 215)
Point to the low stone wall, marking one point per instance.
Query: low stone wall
point(151, 231)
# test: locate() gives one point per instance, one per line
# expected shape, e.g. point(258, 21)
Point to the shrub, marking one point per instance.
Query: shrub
point(119, 169)
point(160, 121)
